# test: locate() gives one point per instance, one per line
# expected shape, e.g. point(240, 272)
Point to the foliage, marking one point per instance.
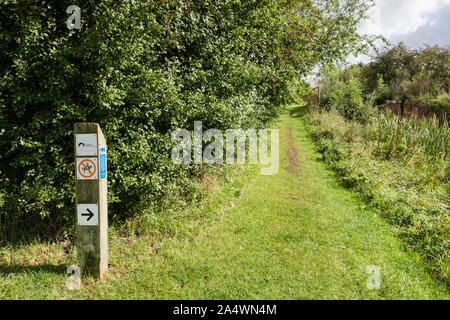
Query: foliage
point(300, 90)
point(346, 97)
point(401, 166)
point(440, 105)
point(382, 92)
point(141, 69)
point(410, 72)
point(401, 73)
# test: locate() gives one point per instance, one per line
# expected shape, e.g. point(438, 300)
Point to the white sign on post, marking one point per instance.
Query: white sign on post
point(87, 169)
point(86, 144)
point(87, 214)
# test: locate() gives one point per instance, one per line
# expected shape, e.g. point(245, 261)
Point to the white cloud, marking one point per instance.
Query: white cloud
point(414, 22)
point(396, 17)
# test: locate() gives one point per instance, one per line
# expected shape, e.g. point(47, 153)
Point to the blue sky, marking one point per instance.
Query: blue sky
point(414, 22)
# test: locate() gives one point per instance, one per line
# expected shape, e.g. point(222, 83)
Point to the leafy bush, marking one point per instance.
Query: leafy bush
point(141, 69)
point(382, 92)
point(419, 72)
point(440, 106)
point(347, 99)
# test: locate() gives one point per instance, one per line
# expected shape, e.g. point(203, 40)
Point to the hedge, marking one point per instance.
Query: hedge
point(140, 69)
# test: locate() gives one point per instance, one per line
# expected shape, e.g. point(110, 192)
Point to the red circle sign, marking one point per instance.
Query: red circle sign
point(86, 168)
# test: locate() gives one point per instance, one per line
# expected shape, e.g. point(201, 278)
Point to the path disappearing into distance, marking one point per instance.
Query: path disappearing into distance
point(295, 235)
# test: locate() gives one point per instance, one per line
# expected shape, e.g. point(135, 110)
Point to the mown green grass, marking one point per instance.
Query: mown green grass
point(295, 235)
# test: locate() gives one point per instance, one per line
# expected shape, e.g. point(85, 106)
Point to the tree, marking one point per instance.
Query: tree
point(410, 72)
point(142, 69)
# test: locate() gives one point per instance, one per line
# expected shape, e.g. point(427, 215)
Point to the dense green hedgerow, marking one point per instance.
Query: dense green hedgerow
point(141, 69)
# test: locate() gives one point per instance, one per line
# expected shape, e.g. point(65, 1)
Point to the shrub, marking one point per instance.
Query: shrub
point(440, 106)
point(141, 69)
point(382, 92)
point(138, 68)
point(347, 99)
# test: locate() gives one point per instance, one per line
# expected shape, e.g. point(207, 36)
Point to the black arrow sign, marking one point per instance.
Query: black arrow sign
point(81, 144)
point(90, 214)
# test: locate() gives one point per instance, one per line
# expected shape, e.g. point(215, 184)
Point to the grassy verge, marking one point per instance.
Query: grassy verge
point(295, 235)
point(400, 167)
point(37, 270)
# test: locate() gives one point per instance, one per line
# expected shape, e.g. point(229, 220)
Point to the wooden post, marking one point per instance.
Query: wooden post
point(402, 107)
point(318, 89)
point(91, 199)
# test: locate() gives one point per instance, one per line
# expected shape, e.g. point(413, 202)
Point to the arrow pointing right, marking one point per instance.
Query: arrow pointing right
point(89, 214)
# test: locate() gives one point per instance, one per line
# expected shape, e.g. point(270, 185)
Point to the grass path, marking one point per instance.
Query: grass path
point(295, 235)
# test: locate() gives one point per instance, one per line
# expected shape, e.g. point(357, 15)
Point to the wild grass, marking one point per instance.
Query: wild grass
point(401, 166)
point(428, 136)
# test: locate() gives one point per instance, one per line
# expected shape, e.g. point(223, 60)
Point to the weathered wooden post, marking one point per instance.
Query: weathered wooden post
point(91, 199)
